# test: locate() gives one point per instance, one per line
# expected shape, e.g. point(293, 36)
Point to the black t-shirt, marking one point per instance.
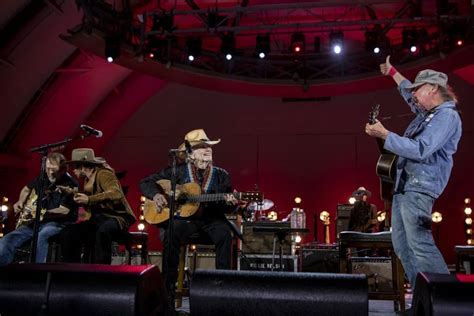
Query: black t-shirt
point(53, 198)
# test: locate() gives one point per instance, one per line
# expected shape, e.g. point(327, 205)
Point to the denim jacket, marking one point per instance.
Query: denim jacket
point(426, 149)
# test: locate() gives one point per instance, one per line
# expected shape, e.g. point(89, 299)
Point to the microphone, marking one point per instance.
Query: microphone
point(189, 149)
point(92, 130)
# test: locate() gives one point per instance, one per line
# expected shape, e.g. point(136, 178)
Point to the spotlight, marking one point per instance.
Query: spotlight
point(193, 46)
point(141, 227)
point(376, 42)
point(468, 211)
point(112, 48)
point(298, 43)
point(228, 45)
point(262, 46)
point(298, 200)
point(336, 40)
point(410, 40)
point(352, 200)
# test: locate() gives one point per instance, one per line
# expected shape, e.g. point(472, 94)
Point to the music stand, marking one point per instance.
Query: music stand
point(279, 233)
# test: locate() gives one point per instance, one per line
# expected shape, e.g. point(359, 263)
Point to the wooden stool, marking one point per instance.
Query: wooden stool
point(134, 239)
point(382, 240)
point(464, 253)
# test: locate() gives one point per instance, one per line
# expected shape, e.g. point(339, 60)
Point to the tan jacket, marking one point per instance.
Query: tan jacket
point(106, 197)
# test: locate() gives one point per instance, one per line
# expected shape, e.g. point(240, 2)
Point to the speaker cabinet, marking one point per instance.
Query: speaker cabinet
point(443, 295)
point(221, 292)
point(320, 258)
point(343, 216)
point(82, 289)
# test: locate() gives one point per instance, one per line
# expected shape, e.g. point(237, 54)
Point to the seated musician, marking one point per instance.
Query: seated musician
point(59, 209)
point(363, 216)
point(198, 168)
point(103, 198)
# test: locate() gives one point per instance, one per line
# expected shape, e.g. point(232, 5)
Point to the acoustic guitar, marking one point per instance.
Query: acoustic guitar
point(387, 163)
point(188, 198)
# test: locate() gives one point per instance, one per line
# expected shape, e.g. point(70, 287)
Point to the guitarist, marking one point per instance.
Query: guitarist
point(424, 165)
point(60, 209)
point(198, 168)
point(103, 198)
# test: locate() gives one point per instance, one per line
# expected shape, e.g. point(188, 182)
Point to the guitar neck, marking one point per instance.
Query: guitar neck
point(211, 197)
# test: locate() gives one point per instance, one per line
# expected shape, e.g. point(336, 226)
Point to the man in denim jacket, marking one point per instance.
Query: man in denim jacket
point(425, 159)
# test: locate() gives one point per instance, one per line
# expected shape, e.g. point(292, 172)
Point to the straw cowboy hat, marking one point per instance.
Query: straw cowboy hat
point(85, 155)
point(197, 137)
point(361, 191)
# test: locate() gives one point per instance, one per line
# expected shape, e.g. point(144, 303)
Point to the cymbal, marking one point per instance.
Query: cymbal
point(264, 205)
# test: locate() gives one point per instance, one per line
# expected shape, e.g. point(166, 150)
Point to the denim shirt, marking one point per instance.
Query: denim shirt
point(426, 149)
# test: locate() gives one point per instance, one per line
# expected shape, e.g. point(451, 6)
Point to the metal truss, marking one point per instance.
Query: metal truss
point(156, 32)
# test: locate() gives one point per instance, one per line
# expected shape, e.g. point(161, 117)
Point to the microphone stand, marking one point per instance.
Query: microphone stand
point(172, 207)
point(43, 150)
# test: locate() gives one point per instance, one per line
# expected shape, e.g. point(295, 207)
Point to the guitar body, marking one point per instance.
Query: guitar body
point(386, 165)
point(28, 213)
point(188, 201)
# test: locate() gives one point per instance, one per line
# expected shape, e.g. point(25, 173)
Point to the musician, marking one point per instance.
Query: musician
point(197, 168)
point(103, 198)
point(425, 159)
point(59, 206)
point(363, 216)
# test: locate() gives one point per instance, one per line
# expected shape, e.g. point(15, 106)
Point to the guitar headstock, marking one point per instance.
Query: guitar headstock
point(251, 196)
point(374, 113)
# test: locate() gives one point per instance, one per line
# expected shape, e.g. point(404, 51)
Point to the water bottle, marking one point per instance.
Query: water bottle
point(294, 218)
point(301, 218)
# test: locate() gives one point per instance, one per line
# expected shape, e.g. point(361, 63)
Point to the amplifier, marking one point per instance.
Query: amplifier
point(204, 260)
point(343, 216)
point(258, 262)
point(378, 271)
point(320, 258)
point(262, 243)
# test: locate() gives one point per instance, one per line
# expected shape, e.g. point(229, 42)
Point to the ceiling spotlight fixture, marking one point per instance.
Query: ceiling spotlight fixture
point(112, 48)
point(193, 46)
point(298, 43)
point(336, 41)
point(228, 45)
point(262, 46)
point(376, 42)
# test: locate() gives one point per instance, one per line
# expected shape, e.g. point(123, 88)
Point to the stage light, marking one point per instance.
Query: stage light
point(5, 199)
point(262, 45)
point(336, 41)
point(410, 40)
point(376, 42)
point(468, 211)
point(352, 200)
point(141, 227)
point(228, 45)
point(298, 239)
point(298, 43)
point(436, 217)
point(468, 221)
point(469, 231)
point(4, 208)
point(112, 48)
point(298, 200)
point(193, 46)
point(467, 200)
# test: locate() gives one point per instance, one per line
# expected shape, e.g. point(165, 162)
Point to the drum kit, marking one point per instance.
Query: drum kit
point(260, 211)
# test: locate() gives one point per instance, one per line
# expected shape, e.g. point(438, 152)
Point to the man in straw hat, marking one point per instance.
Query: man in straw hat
point(59, 210)
point(424, 165)
point(198, 168)
point(109, 210)
point(363, 216)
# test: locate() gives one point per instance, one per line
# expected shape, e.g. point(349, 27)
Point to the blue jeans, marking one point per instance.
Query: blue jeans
point(412, 237)
point(23, 234)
